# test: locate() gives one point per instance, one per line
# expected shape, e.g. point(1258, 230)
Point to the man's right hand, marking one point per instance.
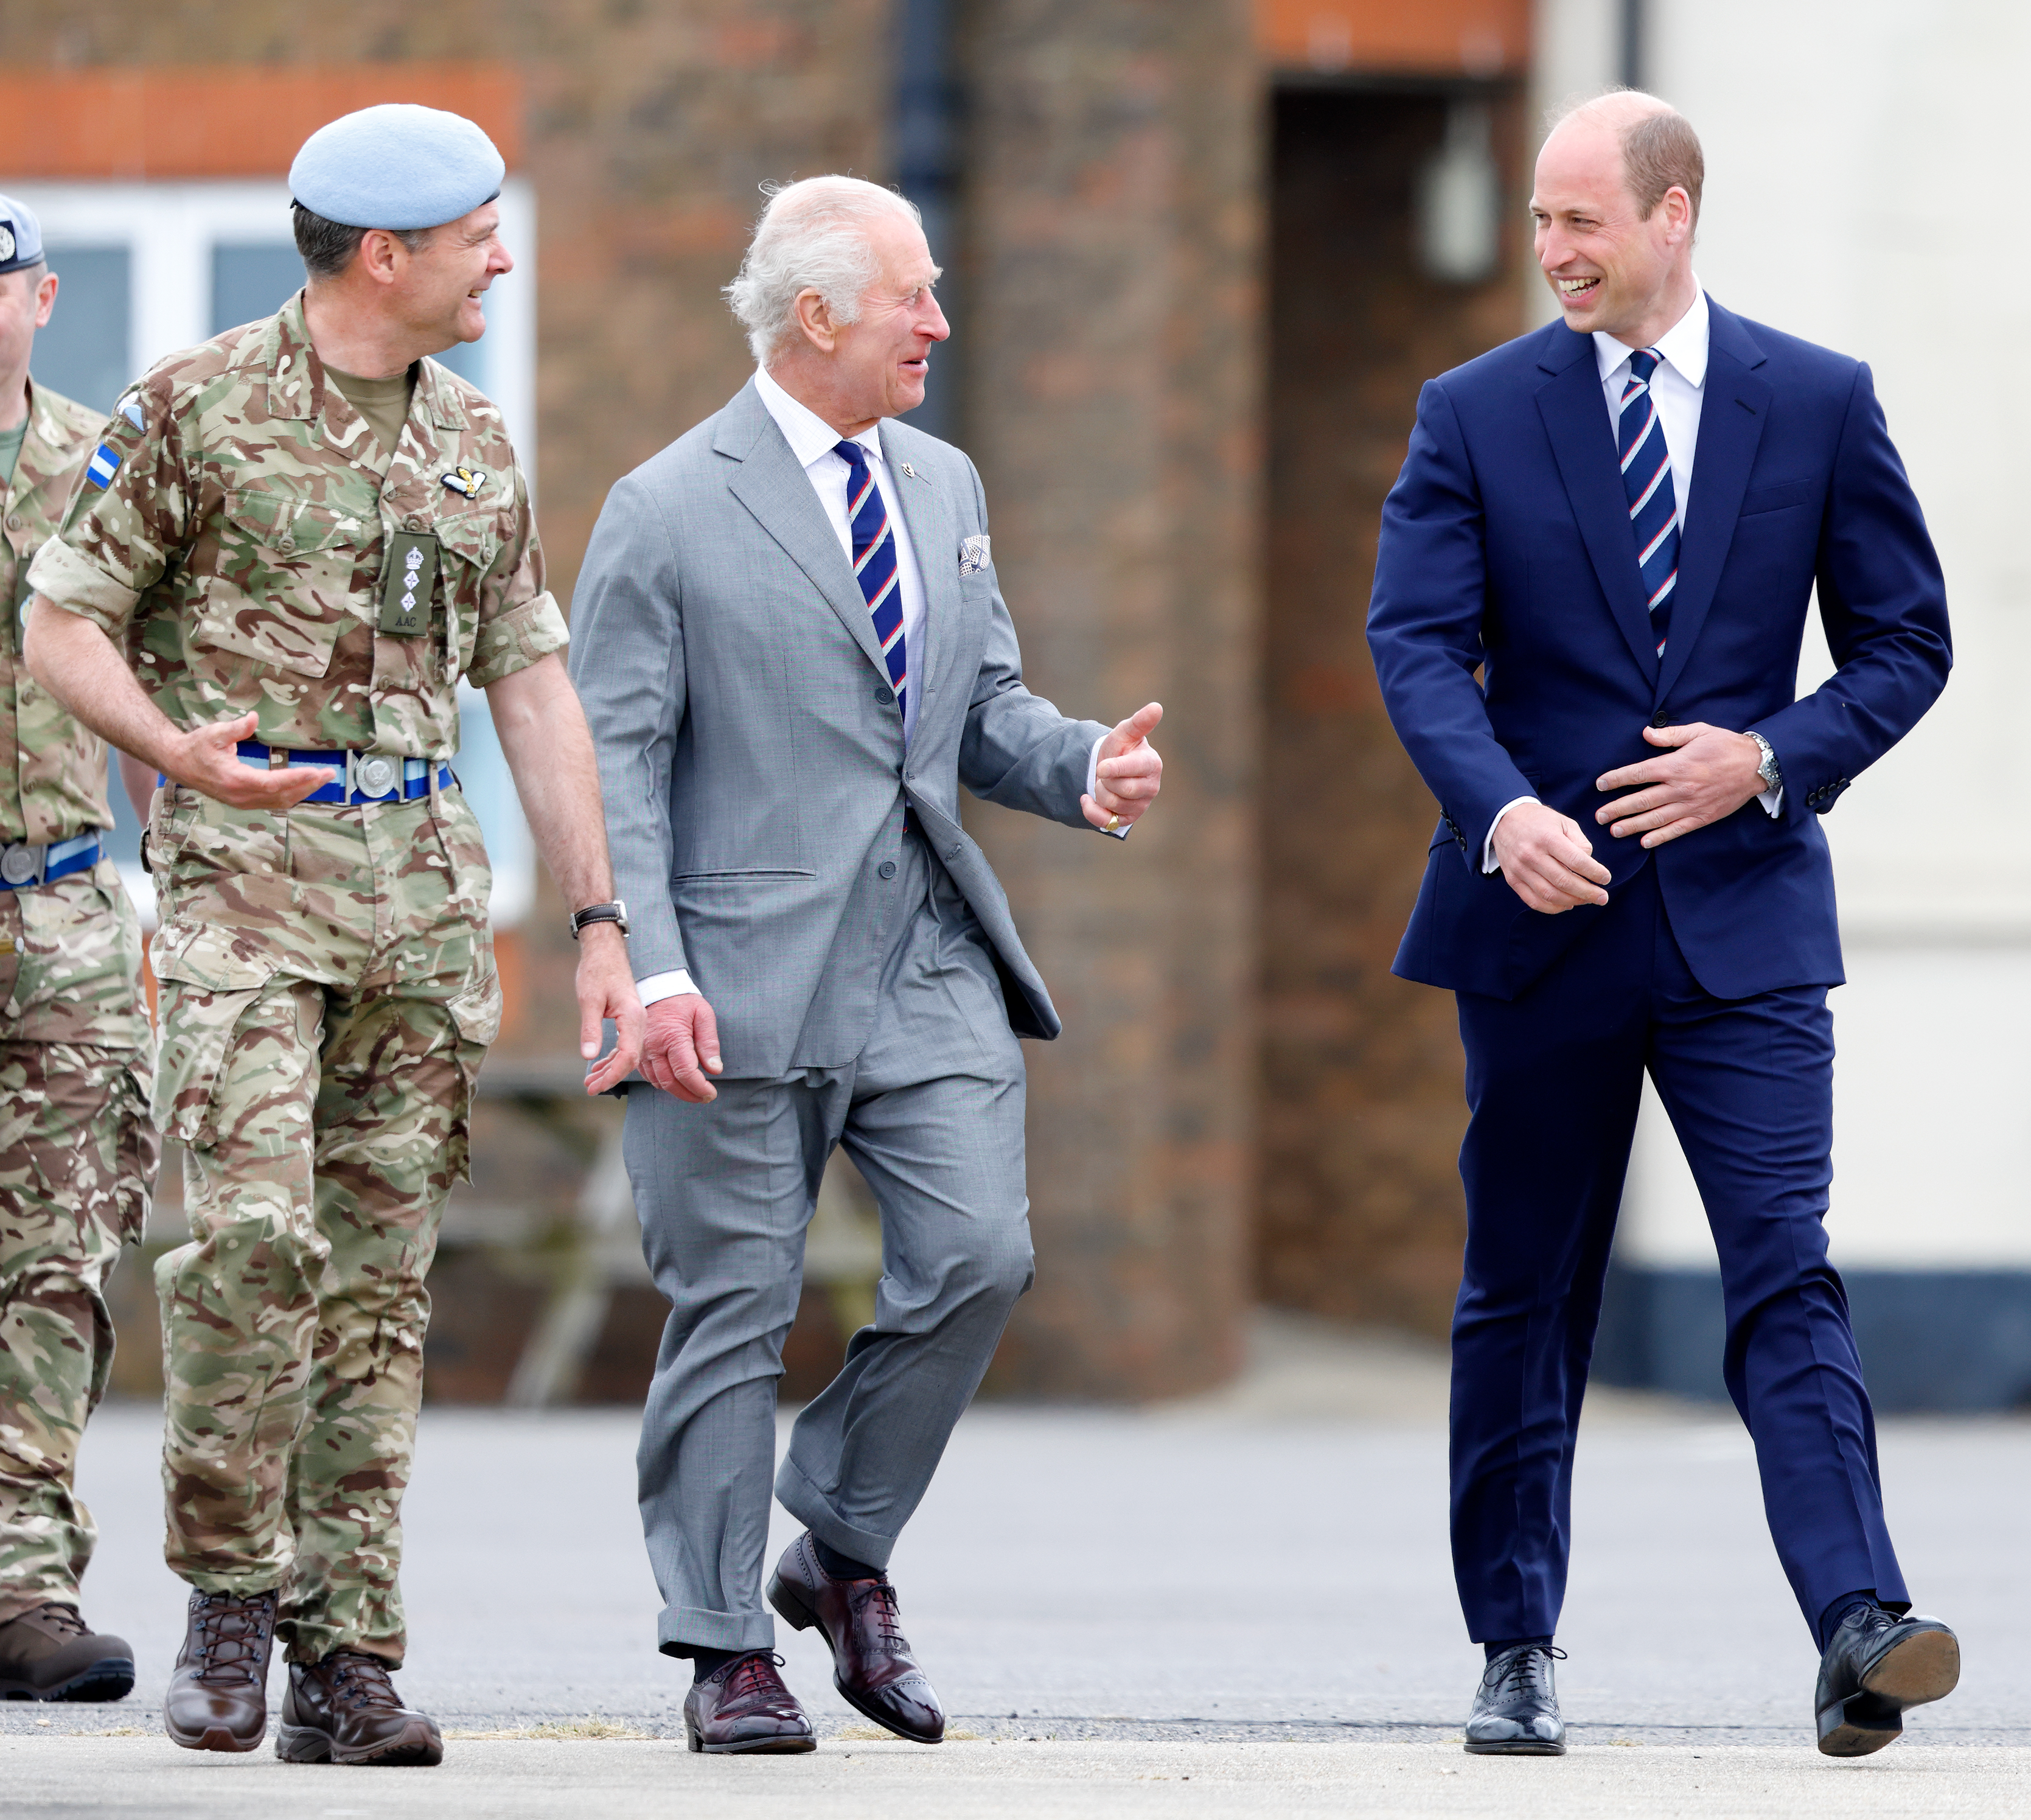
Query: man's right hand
point(682, 1047)
point(1549, 864)
point(207, 760)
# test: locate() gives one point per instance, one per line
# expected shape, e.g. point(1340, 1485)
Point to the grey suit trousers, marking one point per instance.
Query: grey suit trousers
point(930, 1109)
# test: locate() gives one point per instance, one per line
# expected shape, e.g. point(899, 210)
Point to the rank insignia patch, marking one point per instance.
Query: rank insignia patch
point(129, 407)
point(466, 480)
point(101, 468)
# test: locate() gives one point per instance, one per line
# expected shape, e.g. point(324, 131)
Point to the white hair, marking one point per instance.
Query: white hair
point(812, 236)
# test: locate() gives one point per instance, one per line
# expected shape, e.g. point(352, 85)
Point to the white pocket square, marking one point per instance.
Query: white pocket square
point(973, 554)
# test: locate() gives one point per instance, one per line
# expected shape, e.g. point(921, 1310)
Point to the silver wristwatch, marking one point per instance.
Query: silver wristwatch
point(1773, 777)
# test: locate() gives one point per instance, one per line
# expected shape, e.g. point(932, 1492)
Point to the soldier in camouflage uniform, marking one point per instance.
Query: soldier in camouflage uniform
point(77, 1154)
point(304, 534)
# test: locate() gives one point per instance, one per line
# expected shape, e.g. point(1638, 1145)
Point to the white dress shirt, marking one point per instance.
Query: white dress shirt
point(815, 444)
point(1680, 386)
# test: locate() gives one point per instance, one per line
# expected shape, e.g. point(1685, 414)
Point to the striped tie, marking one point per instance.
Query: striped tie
point(1646, 478)
point(874, 563)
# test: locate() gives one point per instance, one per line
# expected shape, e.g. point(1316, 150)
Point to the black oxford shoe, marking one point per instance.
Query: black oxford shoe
point(872, 1665)
point(1876, 1665)
point(743, 1709)
point(1516, 1707)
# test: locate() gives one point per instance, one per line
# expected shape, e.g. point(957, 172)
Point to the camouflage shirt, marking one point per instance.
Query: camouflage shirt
point(52, 770)
point(232, 527)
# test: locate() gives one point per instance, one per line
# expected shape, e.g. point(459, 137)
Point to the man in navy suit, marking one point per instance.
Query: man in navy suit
point(1619, 521)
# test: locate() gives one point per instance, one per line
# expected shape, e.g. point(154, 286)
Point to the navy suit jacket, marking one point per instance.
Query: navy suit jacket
point(1506, 549)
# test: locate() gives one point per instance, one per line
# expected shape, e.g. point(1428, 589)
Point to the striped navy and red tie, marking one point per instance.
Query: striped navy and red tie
point(1646, 478)
point(875, 563)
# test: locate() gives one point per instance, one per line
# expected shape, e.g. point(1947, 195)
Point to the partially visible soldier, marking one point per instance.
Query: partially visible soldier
point(306, 532)
point(77, 1154)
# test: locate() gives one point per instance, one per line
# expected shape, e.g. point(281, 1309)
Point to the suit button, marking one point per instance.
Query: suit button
point(1660, 719)
point(884, 697)
point(886, 869)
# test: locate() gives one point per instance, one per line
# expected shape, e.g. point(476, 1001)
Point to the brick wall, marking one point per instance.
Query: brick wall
point(1112, 407)
point(1111, 372)
point(1361, 1214)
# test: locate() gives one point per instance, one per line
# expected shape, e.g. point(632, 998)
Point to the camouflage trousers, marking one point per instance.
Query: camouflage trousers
point(77, 1161)
point(328, 992)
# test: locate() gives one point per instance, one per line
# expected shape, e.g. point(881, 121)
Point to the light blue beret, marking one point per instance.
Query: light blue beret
point(398, 165)
point(20, 235)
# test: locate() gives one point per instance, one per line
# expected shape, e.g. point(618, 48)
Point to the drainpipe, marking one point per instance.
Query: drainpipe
point(924, 150)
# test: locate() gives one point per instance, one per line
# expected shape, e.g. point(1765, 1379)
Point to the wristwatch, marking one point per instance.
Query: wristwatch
point(617, 911)
point(1773, 777)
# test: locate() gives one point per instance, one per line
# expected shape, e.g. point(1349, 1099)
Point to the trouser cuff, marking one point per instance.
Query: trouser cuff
point(684, 1629)
point(248, 1583)
point(804, 1501)
point(16, 1601)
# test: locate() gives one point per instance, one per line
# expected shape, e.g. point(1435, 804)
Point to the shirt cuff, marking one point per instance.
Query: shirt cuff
point(658, 986)
point(1093, 783)
point(1772, 802)
point(1488, 860)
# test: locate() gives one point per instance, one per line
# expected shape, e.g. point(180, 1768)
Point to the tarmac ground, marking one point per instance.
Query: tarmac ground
point(1238, 1605)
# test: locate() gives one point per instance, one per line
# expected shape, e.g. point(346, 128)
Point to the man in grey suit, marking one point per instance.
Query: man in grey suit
point(793, 651)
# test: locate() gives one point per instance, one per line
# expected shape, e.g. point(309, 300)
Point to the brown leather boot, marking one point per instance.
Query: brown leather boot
point(219, 1693)
point(345, 1710)
point(51, 1653)
point(872, 1665)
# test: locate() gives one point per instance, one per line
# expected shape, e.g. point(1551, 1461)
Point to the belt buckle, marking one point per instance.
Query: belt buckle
point(20, 863)
point(375, 775)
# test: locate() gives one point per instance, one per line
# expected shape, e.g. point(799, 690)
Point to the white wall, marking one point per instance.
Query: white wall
point(1859, 154)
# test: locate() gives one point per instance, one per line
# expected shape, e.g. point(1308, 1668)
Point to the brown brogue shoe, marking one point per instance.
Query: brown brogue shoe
point(218, 1692)
point(872, 1666)
point(742, 1708)
point(345, 1710)
point(52, 1653)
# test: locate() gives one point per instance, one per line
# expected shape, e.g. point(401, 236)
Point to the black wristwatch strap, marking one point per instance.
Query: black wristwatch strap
point(617, 911)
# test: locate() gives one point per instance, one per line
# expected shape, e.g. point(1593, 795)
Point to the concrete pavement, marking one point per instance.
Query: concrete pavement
point(984, 1781)
point(1252, 1589)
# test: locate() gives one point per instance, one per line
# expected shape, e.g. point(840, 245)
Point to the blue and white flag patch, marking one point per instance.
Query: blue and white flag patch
point(101, 468)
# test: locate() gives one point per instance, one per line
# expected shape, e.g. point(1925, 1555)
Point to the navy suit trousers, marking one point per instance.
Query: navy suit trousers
point(1554, 1078)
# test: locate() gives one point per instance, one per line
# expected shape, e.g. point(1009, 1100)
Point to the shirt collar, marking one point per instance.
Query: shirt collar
point(1683, 345)
point(808, 434)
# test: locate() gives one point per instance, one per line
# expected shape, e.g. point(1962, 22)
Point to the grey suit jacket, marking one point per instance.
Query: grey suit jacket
point(753, 776)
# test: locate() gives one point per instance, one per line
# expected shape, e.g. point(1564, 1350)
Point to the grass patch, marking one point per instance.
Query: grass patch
point(570, 1731)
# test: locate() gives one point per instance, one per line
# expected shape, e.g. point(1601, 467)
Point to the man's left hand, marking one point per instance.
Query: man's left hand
point(1704, 774)
point(1129, 775)
point(606, 989)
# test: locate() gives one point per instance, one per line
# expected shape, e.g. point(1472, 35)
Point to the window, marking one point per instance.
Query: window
point(145, 269)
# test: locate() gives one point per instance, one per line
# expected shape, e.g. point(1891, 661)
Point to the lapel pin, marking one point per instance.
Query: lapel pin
point(910, 471)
